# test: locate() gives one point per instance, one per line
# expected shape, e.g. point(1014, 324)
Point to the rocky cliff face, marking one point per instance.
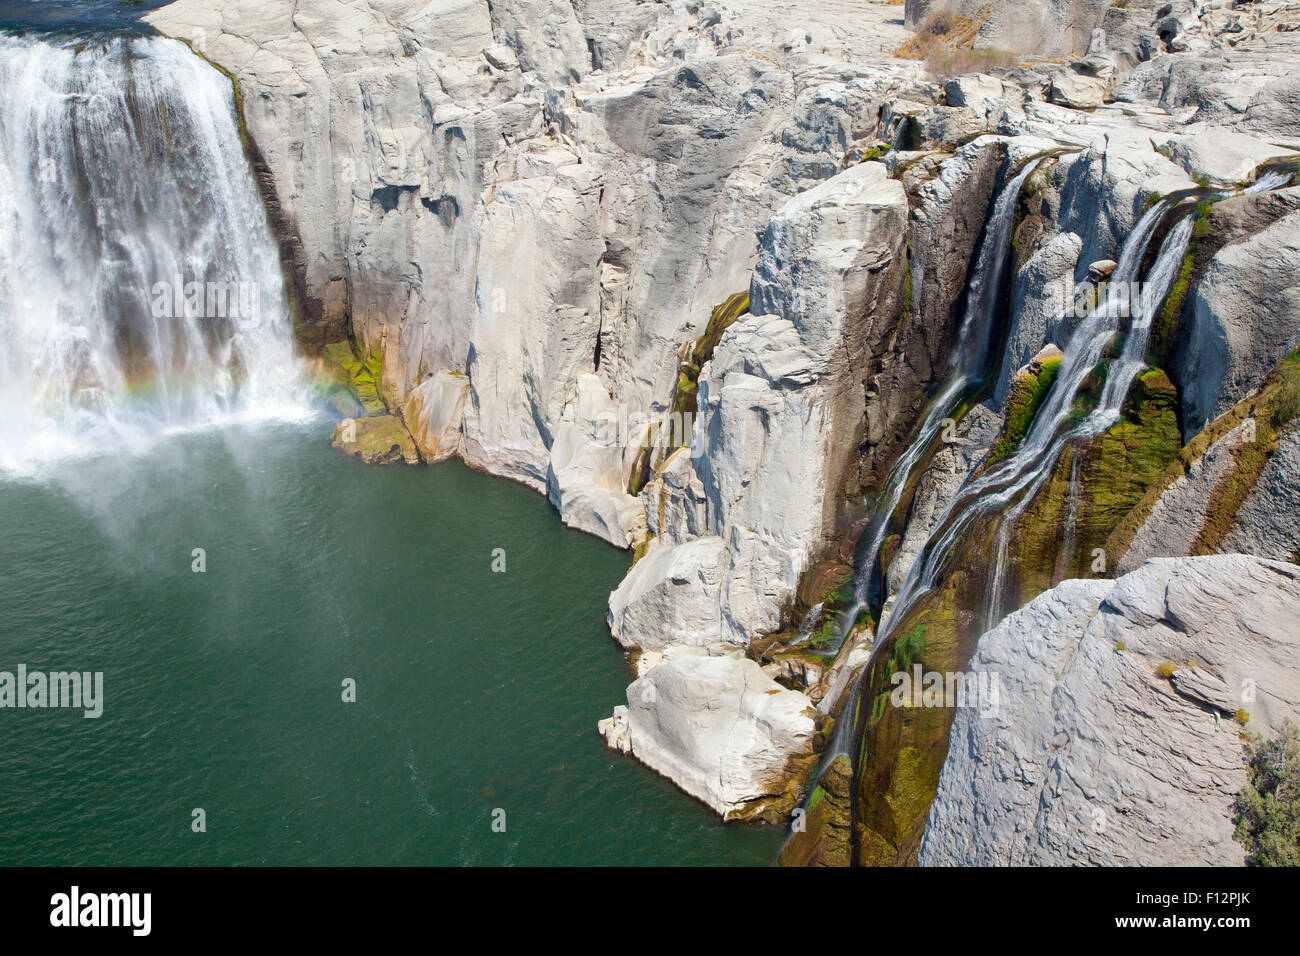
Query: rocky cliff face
point(546, 198)
point(533, 232)
point(1115, 740)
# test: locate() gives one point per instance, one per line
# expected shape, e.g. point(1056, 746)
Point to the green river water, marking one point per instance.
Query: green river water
point(476, 691)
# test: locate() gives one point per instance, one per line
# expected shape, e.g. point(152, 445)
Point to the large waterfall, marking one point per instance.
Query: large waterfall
point(140, 287)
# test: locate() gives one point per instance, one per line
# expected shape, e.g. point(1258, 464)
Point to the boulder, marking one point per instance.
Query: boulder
point(1226, 157)
point(720, 729)
point(973, 90)
point(1076, 90)
point(671, 596)
point(434, 413)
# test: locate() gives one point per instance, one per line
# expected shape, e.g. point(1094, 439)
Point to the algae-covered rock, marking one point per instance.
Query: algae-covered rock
point(359, 375)
point(1028, 389)
point(1231, 487)
point(822, 836)
point(377, 440)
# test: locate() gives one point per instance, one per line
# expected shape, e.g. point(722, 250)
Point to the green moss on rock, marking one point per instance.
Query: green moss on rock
point(361, 376)
point(376, 440)
point(1027, 393)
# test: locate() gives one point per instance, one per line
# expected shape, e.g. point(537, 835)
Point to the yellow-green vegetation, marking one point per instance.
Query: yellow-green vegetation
point(686, 390)
point(945, 41)
point(1114, 472)
point(1273, 407)
point(875, 152)
point(641, 547)
point(907, 650)
point(901, 750)
point(1126, 458)
point(361, 376)
point(376, 440)
point(1250, 457)
point(1241, 717)
point(1120, 645)
point(1171, 310)
point(1266, 813)
point(688, 373)
point(1027, 394)
point(1166, 669)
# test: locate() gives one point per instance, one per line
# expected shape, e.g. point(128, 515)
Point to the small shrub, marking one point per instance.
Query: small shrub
point(1201, 179)
point(1266, 812)
point(1166, 669)
point(1286, 404)
point(1241, 717)
point(1119, 645)
point(937, 24)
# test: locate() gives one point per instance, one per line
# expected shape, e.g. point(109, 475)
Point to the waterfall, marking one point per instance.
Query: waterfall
point(998, 575)
point(140, 287)
point(1074, 496)
point(809, 622)
point(1013, 481)
point(968, 367)
point(1019, 475)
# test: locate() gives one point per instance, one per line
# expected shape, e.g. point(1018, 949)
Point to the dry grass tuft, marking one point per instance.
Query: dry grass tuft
point(945, 41)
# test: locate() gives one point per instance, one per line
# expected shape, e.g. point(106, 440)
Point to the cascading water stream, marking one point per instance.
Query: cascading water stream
point(140, 287)
point(809, 622)
point(969, 364)
point(1013, 481)
point(1020, 475)
point(968, 367)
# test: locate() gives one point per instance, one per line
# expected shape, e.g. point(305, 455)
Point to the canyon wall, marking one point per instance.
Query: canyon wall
point(534, 228)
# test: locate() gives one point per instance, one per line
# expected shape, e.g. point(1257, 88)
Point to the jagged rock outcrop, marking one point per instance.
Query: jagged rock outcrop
point(782, 392)
point(1094, 757)
point(528, 193)
point(783, 389)
point(1044, 285)
point(1042, 27)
